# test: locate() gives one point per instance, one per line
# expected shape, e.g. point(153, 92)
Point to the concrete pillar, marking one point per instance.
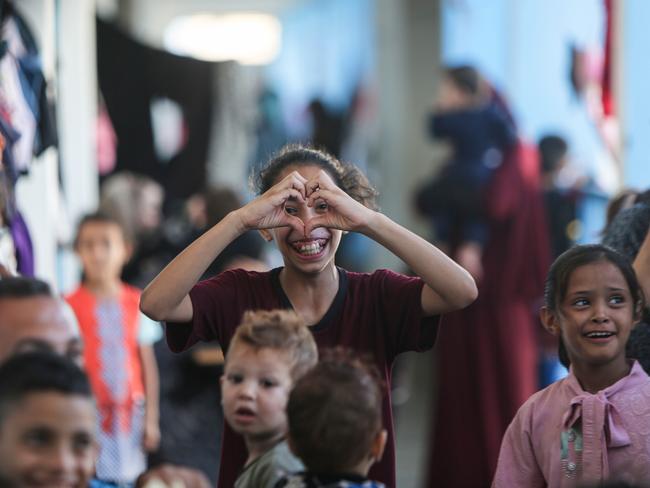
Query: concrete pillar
point(408, 59)
point(77, 115)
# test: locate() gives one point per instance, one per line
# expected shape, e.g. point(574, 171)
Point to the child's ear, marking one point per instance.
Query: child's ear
point(378, 445)
point(266, 235)
point(549, 321)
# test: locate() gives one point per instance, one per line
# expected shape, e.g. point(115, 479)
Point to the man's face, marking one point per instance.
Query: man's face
point(38, 323)
point(48, 439)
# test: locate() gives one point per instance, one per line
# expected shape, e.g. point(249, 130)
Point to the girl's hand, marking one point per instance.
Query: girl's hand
point(151, 437)
point(267, 210)
point(334, 208)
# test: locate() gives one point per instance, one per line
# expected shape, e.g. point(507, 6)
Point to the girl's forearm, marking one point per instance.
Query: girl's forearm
point(151, 383)
point(451, 286)
point(163, 297)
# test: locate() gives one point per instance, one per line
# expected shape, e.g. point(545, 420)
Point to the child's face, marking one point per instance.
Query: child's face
point(255, 388)
point(596, 315)
point(312, 254)
point(102, 250)
point(450, 97)
point(48, 439)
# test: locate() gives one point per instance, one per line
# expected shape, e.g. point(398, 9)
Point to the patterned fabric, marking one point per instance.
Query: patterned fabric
point(111, 335)
point(602, 436)
point(308, 480)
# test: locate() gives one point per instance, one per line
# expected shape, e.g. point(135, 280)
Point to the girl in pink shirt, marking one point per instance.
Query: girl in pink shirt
point(593, 425)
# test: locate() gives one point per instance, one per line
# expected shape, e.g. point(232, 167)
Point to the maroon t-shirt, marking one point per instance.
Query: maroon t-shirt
point(378, 313)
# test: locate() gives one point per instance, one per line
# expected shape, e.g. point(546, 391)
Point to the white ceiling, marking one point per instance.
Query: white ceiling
point(147, 19)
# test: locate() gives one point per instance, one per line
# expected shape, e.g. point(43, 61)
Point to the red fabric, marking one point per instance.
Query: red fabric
point(377, 313)
point(607, 89)
point(84, 304)
point(487, 353)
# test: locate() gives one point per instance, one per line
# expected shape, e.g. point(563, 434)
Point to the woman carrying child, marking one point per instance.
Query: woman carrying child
point(591, 426)
point(308, 199)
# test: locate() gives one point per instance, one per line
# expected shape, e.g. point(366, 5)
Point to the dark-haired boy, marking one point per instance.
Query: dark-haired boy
point(47, 422)
point(32, 318)
point(335, 424)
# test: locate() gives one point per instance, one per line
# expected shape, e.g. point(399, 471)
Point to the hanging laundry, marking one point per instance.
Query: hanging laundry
point(131, 78)
point(27, 128)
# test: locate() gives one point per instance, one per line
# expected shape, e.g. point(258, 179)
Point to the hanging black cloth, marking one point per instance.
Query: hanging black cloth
point(131, 75)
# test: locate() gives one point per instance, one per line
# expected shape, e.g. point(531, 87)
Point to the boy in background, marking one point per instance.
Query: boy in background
point(47, 422)
point(335, 424)
point(118, 351)
point(268, 353)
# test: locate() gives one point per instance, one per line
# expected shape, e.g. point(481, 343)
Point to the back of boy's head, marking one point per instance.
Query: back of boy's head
point(552, 149)
point(466, 78)
point(23, 287)
point(98, 217)
point(281, 330)
point(560, 272)
point(335, 412)
point(39, 372)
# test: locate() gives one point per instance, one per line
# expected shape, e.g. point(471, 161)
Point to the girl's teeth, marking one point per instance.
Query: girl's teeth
point(599, 334)
point(310, 249)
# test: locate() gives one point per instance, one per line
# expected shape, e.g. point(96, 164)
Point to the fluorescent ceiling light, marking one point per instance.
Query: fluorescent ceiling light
point(249, 38)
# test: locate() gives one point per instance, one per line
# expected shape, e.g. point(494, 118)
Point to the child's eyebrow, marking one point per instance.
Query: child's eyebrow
point(579, 292)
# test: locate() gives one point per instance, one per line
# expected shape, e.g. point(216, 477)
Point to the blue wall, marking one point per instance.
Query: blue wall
point(523, 47)
point(327, 49)
point(636, 92)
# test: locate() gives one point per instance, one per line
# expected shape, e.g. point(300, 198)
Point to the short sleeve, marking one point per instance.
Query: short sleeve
point(149, 331)
point(218, 304)
point(517, 464)
point(400, 302)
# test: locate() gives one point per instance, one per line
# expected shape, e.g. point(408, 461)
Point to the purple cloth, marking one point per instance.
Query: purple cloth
point(23, 245)
point(378, 313)
point(564, 436)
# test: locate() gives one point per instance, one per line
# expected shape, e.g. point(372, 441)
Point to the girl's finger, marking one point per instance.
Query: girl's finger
point(325, 180)
point(312, 186)
point(293, 180)
point(298, 182)
point(295, 193)
point(287, 194)
point(321, 194)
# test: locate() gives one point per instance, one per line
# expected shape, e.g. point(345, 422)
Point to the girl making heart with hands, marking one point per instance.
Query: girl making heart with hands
point(307, 200)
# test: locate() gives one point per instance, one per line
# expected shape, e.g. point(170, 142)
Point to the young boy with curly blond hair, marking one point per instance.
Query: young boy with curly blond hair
point(269, 352)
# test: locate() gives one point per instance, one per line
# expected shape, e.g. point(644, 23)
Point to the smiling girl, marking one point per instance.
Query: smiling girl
point(308, 199)
point(593, 425)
